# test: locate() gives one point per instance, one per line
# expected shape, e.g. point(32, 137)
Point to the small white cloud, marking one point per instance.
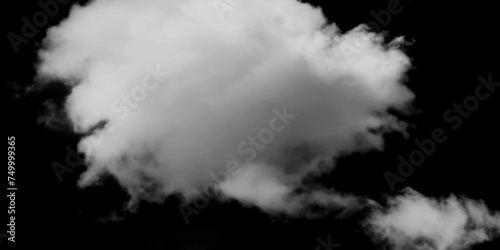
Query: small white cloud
point(413, 221)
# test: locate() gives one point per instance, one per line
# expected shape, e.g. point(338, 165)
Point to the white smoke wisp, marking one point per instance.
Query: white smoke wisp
point(226, 82)
point(413, 221)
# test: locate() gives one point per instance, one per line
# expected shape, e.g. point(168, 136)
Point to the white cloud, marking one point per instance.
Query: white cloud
point(225, 79)
point(413, 221)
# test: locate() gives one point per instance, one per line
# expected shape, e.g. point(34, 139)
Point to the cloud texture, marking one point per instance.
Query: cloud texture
point(250, 102)
point(413, 221)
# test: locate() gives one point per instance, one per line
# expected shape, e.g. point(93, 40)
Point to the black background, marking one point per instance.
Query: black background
point(455, 43)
